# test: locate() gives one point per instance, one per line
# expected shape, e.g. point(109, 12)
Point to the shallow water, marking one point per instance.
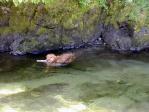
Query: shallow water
point(95, 82)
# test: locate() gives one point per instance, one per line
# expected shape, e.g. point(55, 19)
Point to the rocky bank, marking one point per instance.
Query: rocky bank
point(36, 28)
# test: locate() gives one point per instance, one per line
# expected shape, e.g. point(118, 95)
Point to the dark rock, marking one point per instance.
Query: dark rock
point(33, 44)
point(141, 39)
point(6, 41)
point(119, 39)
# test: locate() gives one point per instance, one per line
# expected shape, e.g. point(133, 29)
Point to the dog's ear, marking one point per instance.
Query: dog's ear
point(50, 55)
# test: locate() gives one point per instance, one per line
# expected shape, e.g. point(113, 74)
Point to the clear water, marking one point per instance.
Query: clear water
point(95, 82)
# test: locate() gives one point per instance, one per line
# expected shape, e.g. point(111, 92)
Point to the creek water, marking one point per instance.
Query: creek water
point(95, 82)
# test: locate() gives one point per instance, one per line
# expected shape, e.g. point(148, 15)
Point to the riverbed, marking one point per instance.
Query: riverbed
point(95, 82)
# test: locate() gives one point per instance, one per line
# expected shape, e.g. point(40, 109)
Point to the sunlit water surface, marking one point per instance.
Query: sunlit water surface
point(95, 82)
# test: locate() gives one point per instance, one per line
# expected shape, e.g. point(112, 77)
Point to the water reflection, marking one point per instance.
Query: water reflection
point(93, 83)
point(6, 90)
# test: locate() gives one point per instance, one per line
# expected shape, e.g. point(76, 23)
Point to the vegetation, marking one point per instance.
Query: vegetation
point(114, 11)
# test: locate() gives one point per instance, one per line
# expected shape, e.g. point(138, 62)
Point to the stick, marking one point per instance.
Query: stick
point(41, 61)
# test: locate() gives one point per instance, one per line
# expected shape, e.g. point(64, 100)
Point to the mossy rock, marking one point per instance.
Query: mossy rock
point(30, 44)
point(141, 37)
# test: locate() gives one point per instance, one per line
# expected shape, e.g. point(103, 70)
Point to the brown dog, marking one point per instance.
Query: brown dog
point(62, 59)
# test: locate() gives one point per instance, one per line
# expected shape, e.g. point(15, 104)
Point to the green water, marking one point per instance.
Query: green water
point(95, 82)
